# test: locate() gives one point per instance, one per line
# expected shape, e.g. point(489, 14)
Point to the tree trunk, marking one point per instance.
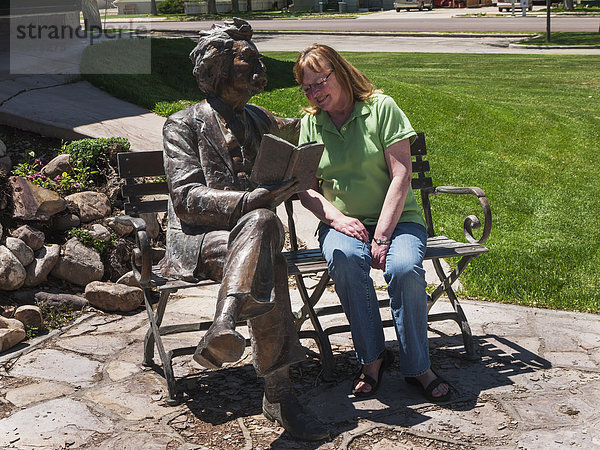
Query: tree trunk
point(568, 4)
point(91, 15)
point(235, 6)
point(249, 6)
point(153, 9)
point(212, 6)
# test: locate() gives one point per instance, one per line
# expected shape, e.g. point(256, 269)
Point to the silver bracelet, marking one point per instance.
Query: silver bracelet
point(382, 241)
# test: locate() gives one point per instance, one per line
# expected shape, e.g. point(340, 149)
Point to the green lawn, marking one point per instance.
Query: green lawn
point(560, 38)
point(525, 128)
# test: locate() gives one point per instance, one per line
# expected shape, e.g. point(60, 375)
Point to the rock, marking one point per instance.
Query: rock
point(119, 228)
point(158, 254)
point(8, 311)
point(12, 272)
point(30, 315)
point(113, 296)
point(21, 250)
point(65, 221)
point(129, 279)
point(2, 148)
point(89, 205)
point(32, 202)
point(79, 264)
point(11, 333)
point(45, 260)
point(152, 225)
point(5, 164)
point(24, 297)
point(56, 300)
point(32, 237)
point(100, 232)
point(1, 231)
point(57, 166)
point(118, 260)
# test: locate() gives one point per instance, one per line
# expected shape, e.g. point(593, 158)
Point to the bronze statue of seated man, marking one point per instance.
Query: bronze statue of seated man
point(223, 227)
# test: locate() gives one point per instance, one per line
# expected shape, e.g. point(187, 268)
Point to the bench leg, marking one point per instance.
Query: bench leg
point(447, 280)
point(153, 338)
point(156, 317)
point(307, 311)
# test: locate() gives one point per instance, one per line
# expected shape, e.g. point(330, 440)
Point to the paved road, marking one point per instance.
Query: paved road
point(437, 20)
point(296, 34)
point(404, 44)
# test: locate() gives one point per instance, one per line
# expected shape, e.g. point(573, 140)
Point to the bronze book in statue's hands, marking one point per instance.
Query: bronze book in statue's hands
point(278, 160)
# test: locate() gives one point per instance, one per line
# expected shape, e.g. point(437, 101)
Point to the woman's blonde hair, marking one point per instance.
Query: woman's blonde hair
point(322, 58)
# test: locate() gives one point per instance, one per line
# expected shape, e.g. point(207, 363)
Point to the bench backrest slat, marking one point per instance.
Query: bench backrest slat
point(147, 206)
point(141, 164)
point(139, 190)
point(150, 164)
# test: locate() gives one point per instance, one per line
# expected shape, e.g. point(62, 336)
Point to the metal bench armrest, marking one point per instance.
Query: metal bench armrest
point(472, 221)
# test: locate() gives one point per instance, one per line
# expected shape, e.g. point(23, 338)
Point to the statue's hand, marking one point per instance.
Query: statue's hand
point(270, 196)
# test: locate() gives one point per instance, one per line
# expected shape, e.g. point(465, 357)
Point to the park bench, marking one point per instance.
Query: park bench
point(142, 197)
point(128, 8)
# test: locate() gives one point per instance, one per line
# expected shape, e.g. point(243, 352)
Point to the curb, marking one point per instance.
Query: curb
point(366, 33)
point(543, 47)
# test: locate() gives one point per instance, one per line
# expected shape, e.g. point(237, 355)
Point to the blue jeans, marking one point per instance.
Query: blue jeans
point(349, 262)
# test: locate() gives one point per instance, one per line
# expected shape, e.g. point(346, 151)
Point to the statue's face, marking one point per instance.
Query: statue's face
point(248, 73)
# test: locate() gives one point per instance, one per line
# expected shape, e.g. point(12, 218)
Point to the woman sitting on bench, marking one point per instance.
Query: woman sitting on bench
point(369, 215)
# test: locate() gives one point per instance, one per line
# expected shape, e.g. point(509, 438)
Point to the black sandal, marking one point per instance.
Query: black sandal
point(428, 391)
point(388, 358)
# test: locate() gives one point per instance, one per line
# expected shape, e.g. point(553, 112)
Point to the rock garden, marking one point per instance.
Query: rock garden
point(61, 250)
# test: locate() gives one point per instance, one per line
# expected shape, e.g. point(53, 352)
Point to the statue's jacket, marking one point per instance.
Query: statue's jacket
point(208, 173)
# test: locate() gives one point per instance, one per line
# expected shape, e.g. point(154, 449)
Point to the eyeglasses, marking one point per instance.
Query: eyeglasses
point(307, 88)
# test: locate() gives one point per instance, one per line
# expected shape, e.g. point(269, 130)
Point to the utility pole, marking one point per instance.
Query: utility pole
point(548, 6)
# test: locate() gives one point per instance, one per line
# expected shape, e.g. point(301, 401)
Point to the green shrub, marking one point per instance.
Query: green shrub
point(171, 7)
point(64, 183)
point(31, 332)
point(93, 152)
point(54, 316)
point(88, 240)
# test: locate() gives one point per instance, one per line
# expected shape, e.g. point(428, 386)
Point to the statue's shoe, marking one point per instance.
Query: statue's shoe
point(290, 415)
point(250, 307)
point(219, 346)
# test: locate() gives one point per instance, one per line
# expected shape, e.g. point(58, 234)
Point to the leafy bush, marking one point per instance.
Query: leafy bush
point(88, 240)
point(170, 7)
point(64, 183)
point(93, 152)
point(55, 316)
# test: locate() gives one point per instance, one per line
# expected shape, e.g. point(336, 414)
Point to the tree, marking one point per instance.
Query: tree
point(212, 6)
point(153, 9)
point(568, 4)
point(91, 15)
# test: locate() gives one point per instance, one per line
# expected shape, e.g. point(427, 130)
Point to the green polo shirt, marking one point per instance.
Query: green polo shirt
point(354, 173)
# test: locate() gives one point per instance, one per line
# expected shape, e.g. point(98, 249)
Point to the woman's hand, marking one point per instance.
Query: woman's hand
point(351, 227)
point(378, 255)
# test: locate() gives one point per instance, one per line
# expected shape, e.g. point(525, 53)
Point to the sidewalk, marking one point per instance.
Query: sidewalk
point(537, 386)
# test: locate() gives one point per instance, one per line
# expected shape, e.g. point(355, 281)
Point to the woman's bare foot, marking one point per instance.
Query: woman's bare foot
point(427, 378)
point(371, 370)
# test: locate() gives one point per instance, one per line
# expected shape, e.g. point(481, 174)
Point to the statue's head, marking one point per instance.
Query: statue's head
point(226, 58)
